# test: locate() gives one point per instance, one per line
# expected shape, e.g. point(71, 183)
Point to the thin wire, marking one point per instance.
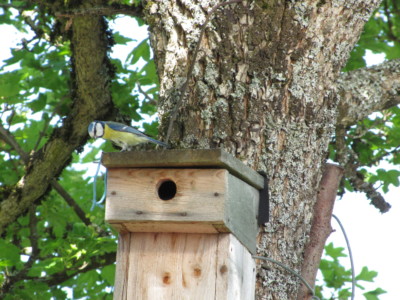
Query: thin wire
point(94, 200)
point(353, 277)
point(291, 271)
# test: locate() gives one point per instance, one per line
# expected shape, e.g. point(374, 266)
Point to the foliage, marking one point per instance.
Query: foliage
point(381, 35)
point(337, 279)
point(376, 139)
point(53, 251)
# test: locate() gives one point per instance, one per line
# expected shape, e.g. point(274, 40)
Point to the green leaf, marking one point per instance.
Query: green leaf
point(108, 273)
point(151, 74)
point(90, 157)
point(141, 51)
point(344, 294)
point(19, 3)
point(151, 129)
point(366, 275)
point(39, 103)
point(334, 252)
point(394, 52)
point(387, 177)
point(122, 40)
point(356, 60)
point(348, 186)
point(373, 295)
point(372, 28)
point(10, 87)
point(17, 55)
point(10, 254)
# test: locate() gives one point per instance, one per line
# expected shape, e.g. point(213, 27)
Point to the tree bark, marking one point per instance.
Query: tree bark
point(321, 226)
point(367, 90)
point(264, 89)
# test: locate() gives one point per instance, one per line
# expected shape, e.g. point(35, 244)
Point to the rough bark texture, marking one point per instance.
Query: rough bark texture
point(91, 100)
point(264, 89)
point(368, 90)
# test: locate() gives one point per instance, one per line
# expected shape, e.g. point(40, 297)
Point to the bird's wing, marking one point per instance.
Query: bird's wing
point(127, 128)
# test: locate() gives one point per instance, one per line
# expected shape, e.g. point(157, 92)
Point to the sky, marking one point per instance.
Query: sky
point(374, 237)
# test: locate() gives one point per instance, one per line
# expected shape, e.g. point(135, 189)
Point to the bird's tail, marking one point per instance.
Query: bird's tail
point(158, 142)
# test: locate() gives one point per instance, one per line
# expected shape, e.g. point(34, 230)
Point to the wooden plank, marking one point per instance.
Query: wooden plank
point(242, 212)
point(183, 158)
point(122, 267)
point(172, 266)
point(181, 227)
point(236, 270)
point(184, 266)
point(132, 195)
point(206, 201)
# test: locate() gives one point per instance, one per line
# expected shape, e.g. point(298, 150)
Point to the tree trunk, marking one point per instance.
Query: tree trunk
point(264, 89)
point(91, 78)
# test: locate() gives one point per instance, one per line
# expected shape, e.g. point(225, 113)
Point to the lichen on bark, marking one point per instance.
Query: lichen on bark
point(264, 89)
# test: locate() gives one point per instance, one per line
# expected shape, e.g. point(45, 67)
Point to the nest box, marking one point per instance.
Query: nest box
point(183, 191)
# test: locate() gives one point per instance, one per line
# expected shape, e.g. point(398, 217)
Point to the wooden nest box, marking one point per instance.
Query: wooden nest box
point(187, 221)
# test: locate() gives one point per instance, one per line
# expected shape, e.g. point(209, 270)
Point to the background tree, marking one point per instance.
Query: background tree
point(266, 86)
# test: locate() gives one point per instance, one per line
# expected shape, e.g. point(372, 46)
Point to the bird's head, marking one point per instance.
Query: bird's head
point(96, 129)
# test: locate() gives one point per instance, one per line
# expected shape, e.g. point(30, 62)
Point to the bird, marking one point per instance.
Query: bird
point(120, 134)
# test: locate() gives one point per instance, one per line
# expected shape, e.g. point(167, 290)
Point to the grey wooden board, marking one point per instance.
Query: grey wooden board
point(241, 212)
point(184, 158)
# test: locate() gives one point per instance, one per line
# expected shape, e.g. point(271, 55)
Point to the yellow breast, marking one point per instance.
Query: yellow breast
point(121, 137)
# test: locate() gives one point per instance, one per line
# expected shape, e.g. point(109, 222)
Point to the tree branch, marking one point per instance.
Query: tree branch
point(321, 226)
point(10, 280)
point(58, 278)
point(71, 202)
point(9, 139)
point(146, 96)
point(349, 160)
point(6, 136)
point(92, 100)
point(95, 263)
point(36, 29)
point(367, 90)
point(359, 184)
point(123, 9)
point(390, 29)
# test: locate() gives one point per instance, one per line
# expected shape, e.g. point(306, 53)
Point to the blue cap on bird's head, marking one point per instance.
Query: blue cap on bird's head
point(96, 129)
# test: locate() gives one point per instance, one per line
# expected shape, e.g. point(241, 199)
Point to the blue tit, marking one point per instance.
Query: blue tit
point(122, 135)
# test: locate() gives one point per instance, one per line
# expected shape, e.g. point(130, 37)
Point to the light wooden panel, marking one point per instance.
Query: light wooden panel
point(236, 270)
point(122, 267)
point(207, 201)
point(185, 266)
point(172, 266)
point(182, 227)
point(132, 195)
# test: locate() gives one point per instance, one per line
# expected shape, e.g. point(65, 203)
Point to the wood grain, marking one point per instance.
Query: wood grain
point(206, 201)
point(185, 266)
point(184, 158)
point(132, 195)
point(236, 270)
point(122, 267)
point(172, 266)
